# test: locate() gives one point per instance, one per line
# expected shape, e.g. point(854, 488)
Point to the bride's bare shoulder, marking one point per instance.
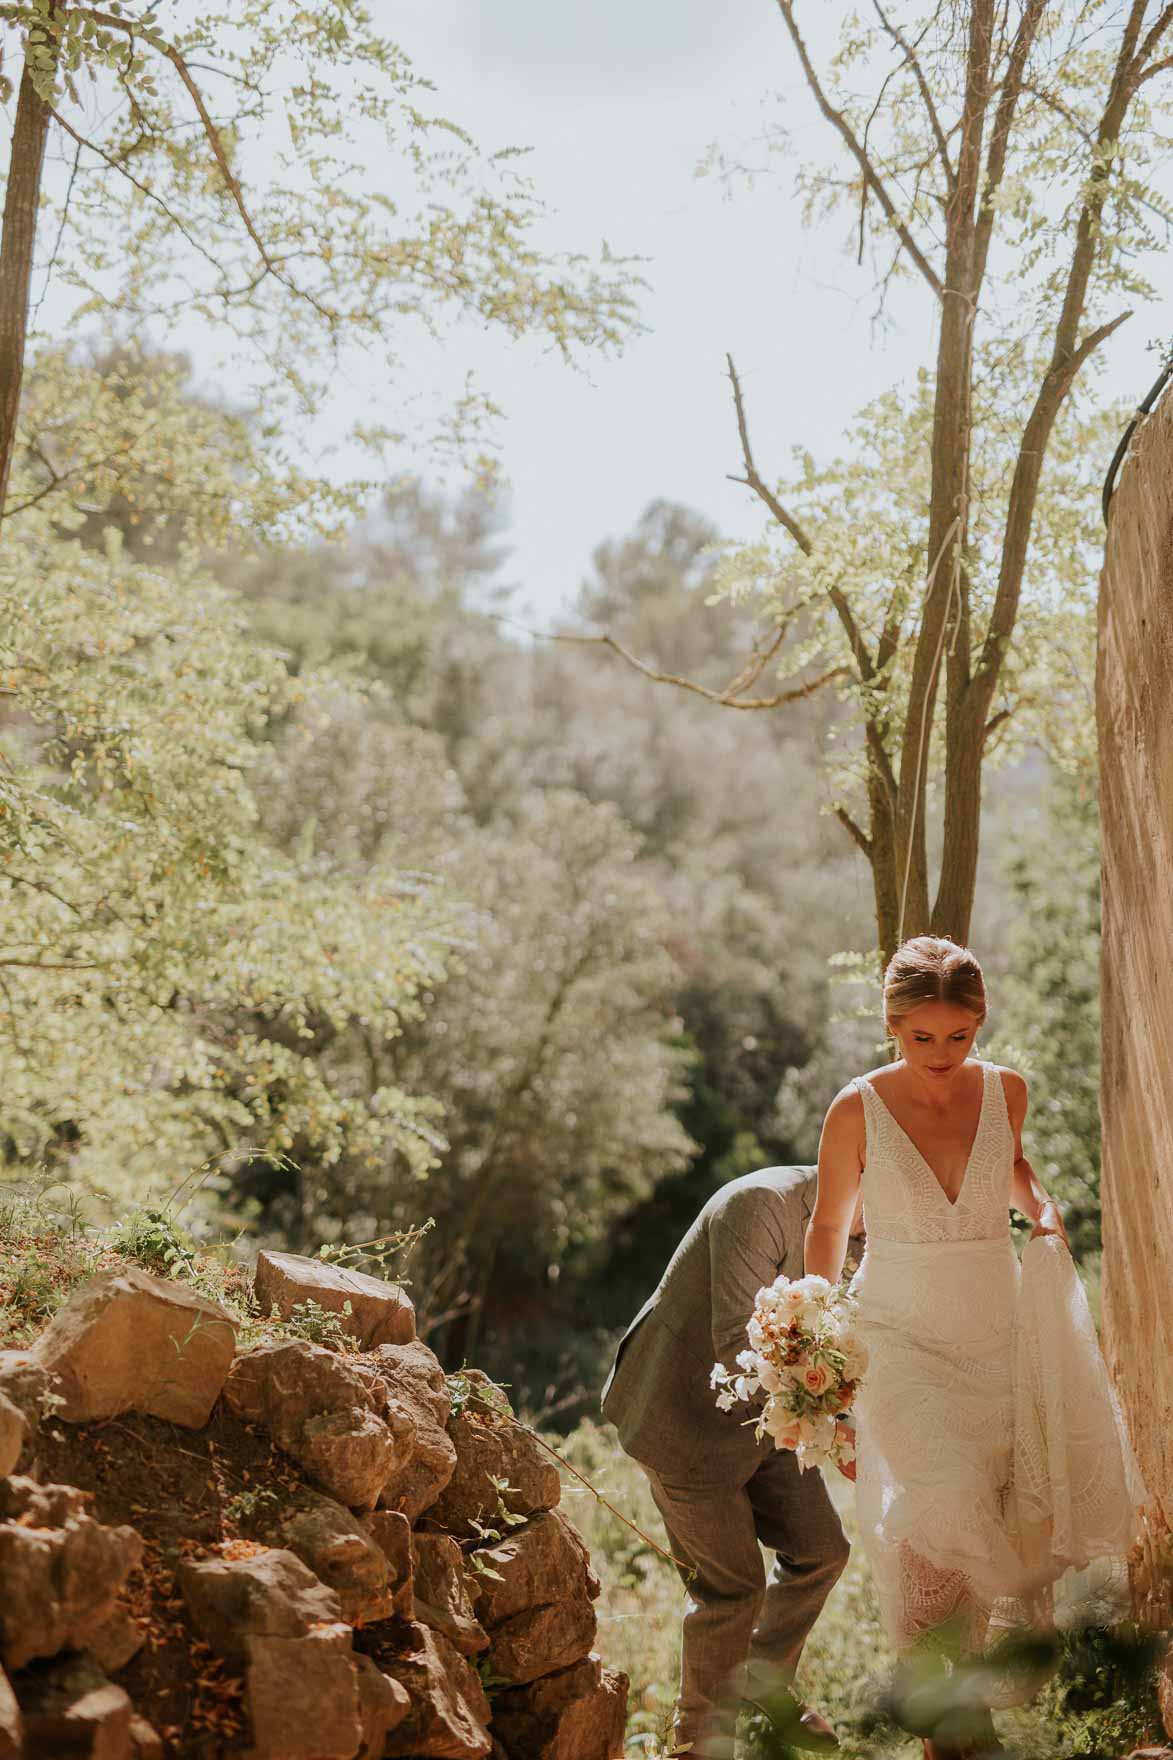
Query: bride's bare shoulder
point(845, 1107)
point(882, 1076)
point(1014, 1087)
point(848, 1102)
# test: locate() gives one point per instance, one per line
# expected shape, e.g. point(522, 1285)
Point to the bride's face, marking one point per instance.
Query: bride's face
point(936, 1038)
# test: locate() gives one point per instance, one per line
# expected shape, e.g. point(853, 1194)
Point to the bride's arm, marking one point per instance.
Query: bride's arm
point(1027, 1193)
point(838, 1187)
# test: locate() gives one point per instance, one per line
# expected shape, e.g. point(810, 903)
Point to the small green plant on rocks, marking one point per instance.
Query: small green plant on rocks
point(250, 1508)
point(375, 1256)
point(310, 1320)
point(150, 1235)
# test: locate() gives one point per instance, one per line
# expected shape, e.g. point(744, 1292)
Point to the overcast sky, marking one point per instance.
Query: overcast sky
point(619, 103)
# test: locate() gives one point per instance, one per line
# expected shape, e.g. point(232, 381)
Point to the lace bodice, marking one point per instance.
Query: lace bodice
point(902, 1198)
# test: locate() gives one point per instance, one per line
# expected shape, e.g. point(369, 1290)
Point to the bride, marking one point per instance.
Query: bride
point(991, 1454)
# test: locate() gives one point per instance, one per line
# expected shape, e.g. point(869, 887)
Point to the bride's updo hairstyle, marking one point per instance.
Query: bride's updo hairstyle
point(931, 969)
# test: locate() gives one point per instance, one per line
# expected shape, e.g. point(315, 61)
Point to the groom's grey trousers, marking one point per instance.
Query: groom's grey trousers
point(719, 1491)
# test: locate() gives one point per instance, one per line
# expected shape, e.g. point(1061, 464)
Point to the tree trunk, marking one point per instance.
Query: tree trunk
point(18, 239)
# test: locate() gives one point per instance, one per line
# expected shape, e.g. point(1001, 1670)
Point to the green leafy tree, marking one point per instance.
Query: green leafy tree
point(220, 176)
point(547, 1046)
point(1002, 156)
point(166, 974)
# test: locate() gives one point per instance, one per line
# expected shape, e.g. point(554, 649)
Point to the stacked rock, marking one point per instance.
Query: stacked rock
point(423, 1595)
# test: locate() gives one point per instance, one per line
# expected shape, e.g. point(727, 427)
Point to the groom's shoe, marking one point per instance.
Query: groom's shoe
point(802, 1726)
point(821, 1734)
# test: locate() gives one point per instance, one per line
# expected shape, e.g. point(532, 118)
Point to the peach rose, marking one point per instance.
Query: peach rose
point(817, 1378)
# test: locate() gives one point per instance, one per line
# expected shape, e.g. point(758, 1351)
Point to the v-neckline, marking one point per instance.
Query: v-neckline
point(952, 1202)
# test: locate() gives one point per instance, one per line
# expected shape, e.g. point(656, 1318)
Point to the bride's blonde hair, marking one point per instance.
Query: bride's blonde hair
point(931, 968)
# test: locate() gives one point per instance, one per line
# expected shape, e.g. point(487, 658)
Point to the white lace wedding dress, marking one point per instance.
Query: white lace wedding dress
point(992, 1456)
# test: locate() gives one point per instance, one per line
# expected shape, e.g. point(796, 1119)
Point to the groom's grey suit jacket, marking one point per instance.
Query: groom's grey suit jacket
point(658, 1394)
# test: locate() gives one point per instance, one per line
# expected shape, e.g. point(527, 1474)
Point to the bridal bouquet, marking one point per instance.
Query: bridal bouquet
point(805, 1356)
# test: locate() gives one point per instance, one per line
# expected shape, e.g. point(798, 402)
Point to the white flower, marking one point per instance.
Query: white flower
point(813, 1287)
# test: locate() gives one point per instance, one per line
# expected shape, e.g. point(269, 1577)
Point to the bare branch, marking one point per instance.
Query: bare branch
point(795, 694)
point(913, 60)
point(753, 481)
point(751, 478)
point(759, 659)
point(868, 170)
point(1157, 67)
point(853, 830)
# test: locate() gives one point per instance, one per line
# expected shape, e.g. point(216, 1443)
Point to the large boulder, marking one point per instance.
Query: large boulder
point(328, 1412)
point(382, 1703)
point(544, 1560)
point(542, 1639)
point(306, 1695)
point(61, 1570)
point(391, 1532)
point(449, 1714)
point(580, 1713)
point(534, 1595)
point(271, 1594)
point(27, 1386)
point(341, 1552)
point(490, 1445)
point(116, 1642)
point(414, 1379)
point(380, 1313)
point(301, 1695)
point(69, 1708)
point(441, 1588)
point(129, 1342)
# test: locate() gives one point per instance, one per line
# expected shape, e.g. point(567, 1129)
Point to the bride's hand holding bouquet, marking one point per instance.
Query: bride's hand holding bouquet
point(805, 1356)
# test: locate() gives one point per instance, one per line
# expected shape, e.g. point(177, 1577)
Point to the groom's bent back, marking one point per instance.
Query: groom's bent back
point(719, 1490)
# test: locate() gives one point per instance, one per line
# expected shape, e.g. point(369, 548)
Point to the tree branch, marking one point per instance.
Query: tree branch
point(913, 60)
point(143, 188)
point(751, 478)
point(753, 481)
point(870, 175)
point(853, 830)
point(1024, 38)
point(794, 695)
point(1023, 493)
point(1157, 67)
point(111, 21)
point(995, 722)
point(1151, 44)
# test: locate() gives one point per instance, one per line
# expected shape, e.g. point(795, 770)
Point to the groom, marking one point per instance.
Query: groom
point(718, 1490)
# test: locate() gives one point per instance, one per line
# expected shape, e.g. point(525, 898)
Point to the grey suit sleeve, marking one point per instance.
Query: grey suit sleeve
point(739, 1263)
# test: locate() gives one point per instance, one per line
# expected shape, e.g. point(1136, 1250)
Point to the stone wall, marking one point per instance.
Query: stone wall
point(1134, 701)
point(282, 1549)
